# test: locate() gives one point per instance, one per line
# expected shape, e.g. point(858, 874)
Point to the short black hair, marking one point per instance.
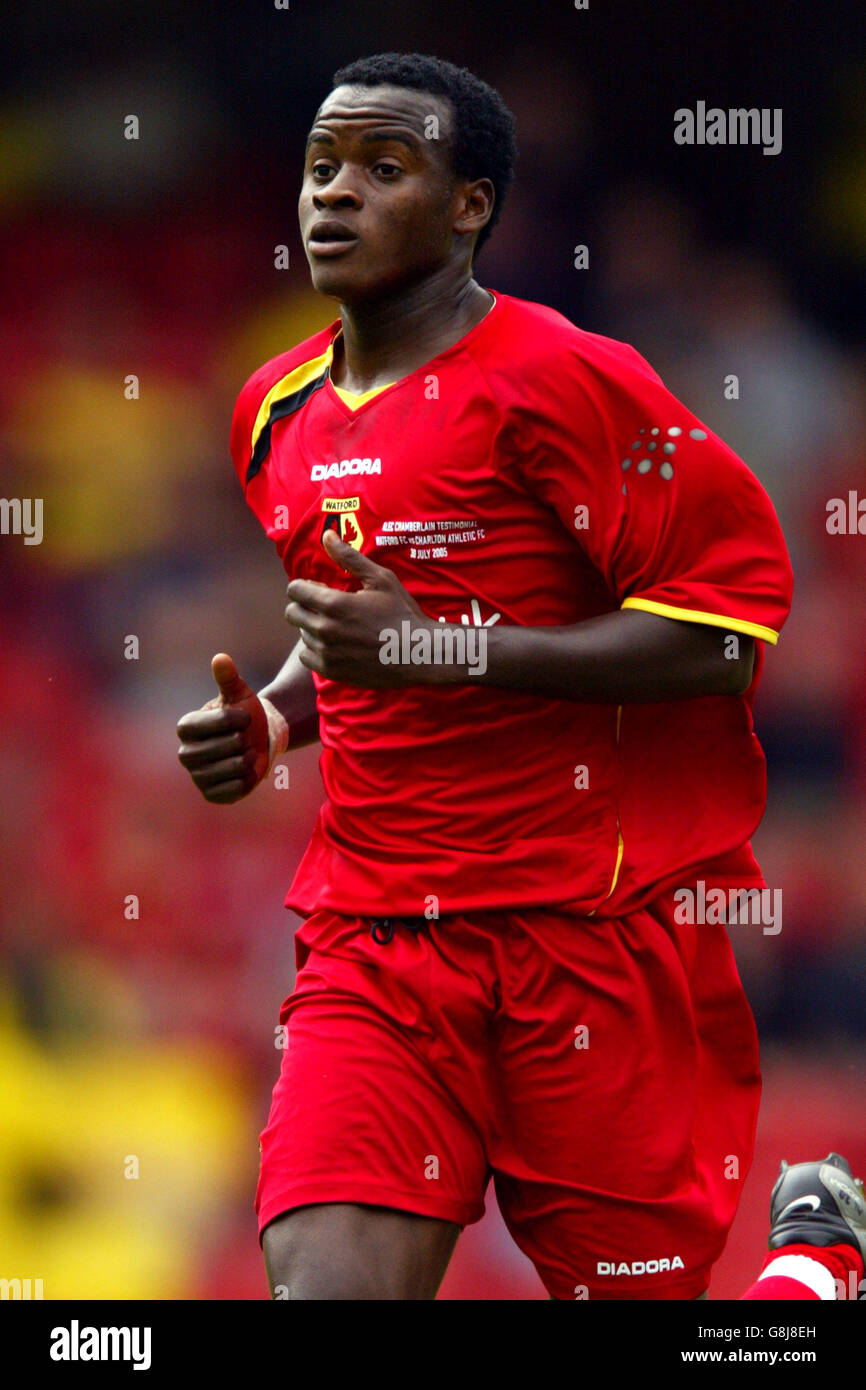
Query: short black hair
point(484, 144)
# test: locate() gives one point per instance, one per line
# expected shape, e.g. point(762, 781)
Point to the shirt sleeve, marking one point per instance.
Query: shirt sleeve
point(666, 511)
point(243, 420)
point(262, 490)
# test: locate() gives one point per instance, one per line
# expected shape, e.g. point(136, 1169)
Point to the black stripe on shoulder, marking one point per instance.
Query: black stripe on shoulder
point(287, 406)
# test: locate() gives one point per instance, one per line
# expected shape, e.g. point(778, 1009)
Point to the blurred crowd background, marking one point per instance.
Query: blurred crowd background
point(149, 1040)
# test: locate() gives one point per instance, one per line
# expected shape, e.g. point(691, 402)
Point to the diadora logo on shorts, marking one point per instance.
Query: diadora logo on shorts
point(321, 471)
point(638, 1266)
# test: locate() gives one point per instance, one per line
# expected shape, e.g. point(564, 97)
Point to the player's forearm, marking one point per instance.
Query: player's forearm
point(627, 657)
point(294, 695)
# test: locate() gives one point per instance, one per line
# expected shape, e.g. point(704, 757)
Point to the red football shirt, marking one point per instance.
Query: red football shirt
point(535, 474)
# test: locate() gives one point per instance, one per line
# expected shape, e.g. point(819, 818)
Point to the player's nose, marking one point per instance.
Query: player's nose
point(342, 191)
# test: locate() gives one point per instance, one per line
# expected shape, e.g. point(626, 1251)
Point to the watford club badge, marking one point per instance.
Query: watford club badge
point(341, 512)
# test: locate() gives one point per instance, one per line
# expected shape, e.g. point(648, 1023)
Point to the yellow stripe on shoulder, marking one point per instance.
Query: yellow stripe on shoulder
point(293, 381)
point(691, 615)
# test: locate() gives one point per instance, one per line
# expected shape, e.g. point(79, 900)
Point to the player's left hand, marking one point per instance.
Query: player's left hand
point(341, 631)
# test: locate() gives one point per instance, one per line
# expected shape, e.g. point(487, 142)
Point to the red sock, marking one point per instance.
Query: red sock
point(843, 1263)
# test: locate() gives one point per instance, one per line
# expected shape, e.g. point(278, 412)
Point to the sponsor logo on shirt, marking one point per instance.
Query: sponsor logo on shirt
point(638, 1266)
point(346, 467)
point(476, 620)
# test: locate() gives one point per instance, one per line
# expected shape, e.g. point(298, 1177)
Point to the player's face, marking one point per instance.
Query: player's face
point(379, 200)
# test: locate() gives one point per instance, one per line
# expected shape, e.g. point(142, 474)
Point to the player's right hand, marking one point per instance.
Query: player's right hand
point(225, 745)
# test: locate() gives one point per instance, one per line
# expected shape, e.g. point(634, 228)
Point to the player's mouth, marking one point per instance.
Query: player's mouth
point(330, 238)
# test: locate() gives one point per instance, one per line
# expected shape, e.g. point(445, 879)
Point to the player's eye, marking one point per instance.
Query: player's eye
point(387, 169)
point(321, 170)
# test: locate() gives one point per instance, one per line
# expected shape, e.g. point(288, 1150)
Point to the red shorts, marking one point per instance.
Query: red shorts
point(604, 1072)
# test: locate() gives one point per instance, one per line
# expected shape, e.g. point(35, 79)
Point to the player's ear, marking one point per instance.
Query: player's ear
point(475, 206)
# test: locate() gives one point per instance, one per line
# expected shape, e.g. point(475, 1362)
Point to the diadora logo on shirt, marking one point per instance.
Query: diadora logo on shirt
point(322, 471)
point(638, 1266)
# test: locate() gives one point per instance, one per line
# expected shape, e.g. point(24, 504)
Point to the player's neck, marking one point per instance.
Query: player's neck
point(386, 340)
